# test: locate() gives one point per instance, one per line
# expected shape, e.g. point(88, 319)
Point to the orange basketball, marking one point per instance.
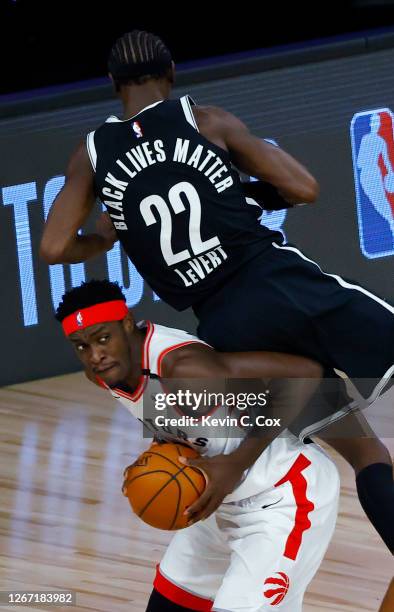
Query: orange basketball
point(160, 488)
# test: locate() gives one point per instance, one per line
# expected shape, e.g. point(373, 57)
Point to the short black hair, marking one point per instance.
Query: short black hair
point(138, 56)
point(88, 294)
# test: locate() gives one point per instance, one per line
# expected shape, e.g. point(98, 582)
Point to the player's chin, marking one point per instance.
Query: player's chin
point(112, 376)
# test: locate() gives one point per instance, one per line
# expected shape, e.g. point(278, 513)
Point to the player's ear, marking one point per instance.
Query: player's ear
point(114, 85)
point(128, 323)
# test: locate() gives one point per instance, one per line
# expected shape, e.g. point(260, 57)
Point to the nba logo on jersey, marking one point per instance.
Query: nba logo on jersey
point(137, 129)
point(373, 166)
point(79, 319)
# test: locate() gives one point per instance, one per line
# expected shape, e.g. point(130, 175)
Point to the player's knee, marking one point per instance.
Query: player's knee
point(159, 603)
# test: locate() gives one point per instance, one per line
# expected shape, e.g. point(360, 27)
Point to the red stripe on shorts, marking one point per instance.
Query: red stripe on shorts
point(303, 505)
point(177, 595)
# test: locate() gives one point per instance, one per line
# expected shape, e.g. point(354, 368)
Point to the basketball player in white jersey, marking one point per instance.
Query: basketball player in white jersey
point(266, 540)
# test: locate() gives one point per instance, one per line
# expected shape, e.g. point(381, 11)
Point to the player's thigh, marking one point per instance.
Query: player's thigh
point(195, 560)
point(276, 551)
point(359, 339)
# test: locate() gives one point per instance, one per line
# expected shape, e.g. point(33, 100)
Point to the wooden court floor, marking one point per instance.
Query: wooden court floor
point(64, 523)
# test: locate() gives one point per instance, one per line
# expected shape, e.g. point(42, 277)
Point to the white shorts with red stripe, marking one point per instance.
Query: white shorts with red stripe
point(259, 553)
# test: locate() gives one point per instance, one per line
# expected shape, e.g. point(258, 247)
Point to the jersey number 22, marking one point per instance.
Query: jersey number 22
point(198, 245)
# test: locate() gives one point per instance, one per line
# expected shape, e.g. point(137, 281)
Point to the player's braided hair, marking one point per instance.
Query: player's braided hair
point(138, 56)
point(88, 294)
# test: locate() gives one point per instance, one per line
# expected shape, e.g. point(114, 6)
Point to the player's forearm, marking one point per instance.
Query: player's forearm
point(290, 381)
point(273, 165)
point(264, 364)
point(291, 178)
point(250, 450)
point(286, 400)
point(79, 249)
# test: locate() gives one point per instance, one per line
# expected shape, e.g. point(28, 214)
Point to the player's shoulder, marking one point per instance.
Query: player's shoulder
point(170, 347)
point(181, 362)
point(170, 333)
point(216, 119)
point(79, 162)
point(163, 339)
point(211, 113)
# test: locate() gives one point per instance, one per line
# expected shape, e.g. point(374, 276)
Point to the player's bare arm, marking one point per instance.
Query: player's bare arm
point(257, 157)
point(224, 472)
point(201, 361)
point(61, 242)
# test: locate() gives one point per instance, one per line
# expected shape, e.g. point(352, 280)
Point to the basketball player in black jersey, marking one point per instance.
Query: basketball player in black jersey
point(165, 175)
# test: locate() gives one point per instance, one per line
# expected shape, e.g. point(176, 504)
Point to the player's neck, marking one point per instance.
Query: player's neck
point(137, 97)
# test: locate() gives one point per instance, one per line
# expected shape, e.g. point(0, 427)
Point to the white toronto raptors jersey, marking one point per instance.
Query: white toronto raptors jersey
point(159, 341)
point(279, 456)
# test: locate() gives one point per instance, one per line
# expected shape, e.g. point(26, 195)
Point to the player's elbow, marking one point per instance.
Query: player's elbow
point(302, 191)
point(310, 190)
point(51, 252)
point(307, 190)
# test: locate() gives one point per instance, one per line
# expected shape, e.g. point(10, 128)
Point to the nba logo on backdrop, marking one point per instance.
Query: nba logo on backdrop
point(373, 165)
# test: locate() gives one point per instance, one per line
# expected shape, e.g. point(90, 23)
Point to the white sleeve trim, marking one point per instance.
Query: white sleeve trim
point(91, 149)
point(187, 109)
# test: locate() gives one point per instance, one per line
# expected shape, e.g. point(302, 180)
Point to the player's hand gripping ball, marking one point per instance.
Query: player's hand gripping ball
point(160, 488)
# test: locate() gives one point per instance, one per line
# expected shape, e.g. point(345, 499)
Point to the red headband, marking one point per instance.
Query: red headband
point(116, 310)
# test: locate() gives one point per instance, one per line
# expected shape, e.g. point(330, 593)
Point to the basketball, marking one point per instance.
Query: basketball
point(160, 488)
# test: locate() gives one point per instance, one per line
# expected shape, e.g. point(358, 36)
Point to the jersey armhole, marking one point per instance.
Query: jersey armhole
point(169, 349)
point(187, 103)
point(91, 150)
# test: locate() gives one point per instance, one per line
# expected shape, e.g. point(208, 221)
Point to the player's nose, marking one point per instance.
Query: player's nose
point(97, 354)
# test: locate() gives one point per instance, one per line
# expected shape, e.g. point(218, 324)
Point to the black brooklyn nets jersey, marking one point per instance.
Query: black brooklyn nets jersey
point(175, 201)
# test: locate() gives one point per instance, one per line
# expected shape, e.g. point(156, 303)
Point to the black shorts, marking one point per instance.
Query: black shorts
point(282, 301)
